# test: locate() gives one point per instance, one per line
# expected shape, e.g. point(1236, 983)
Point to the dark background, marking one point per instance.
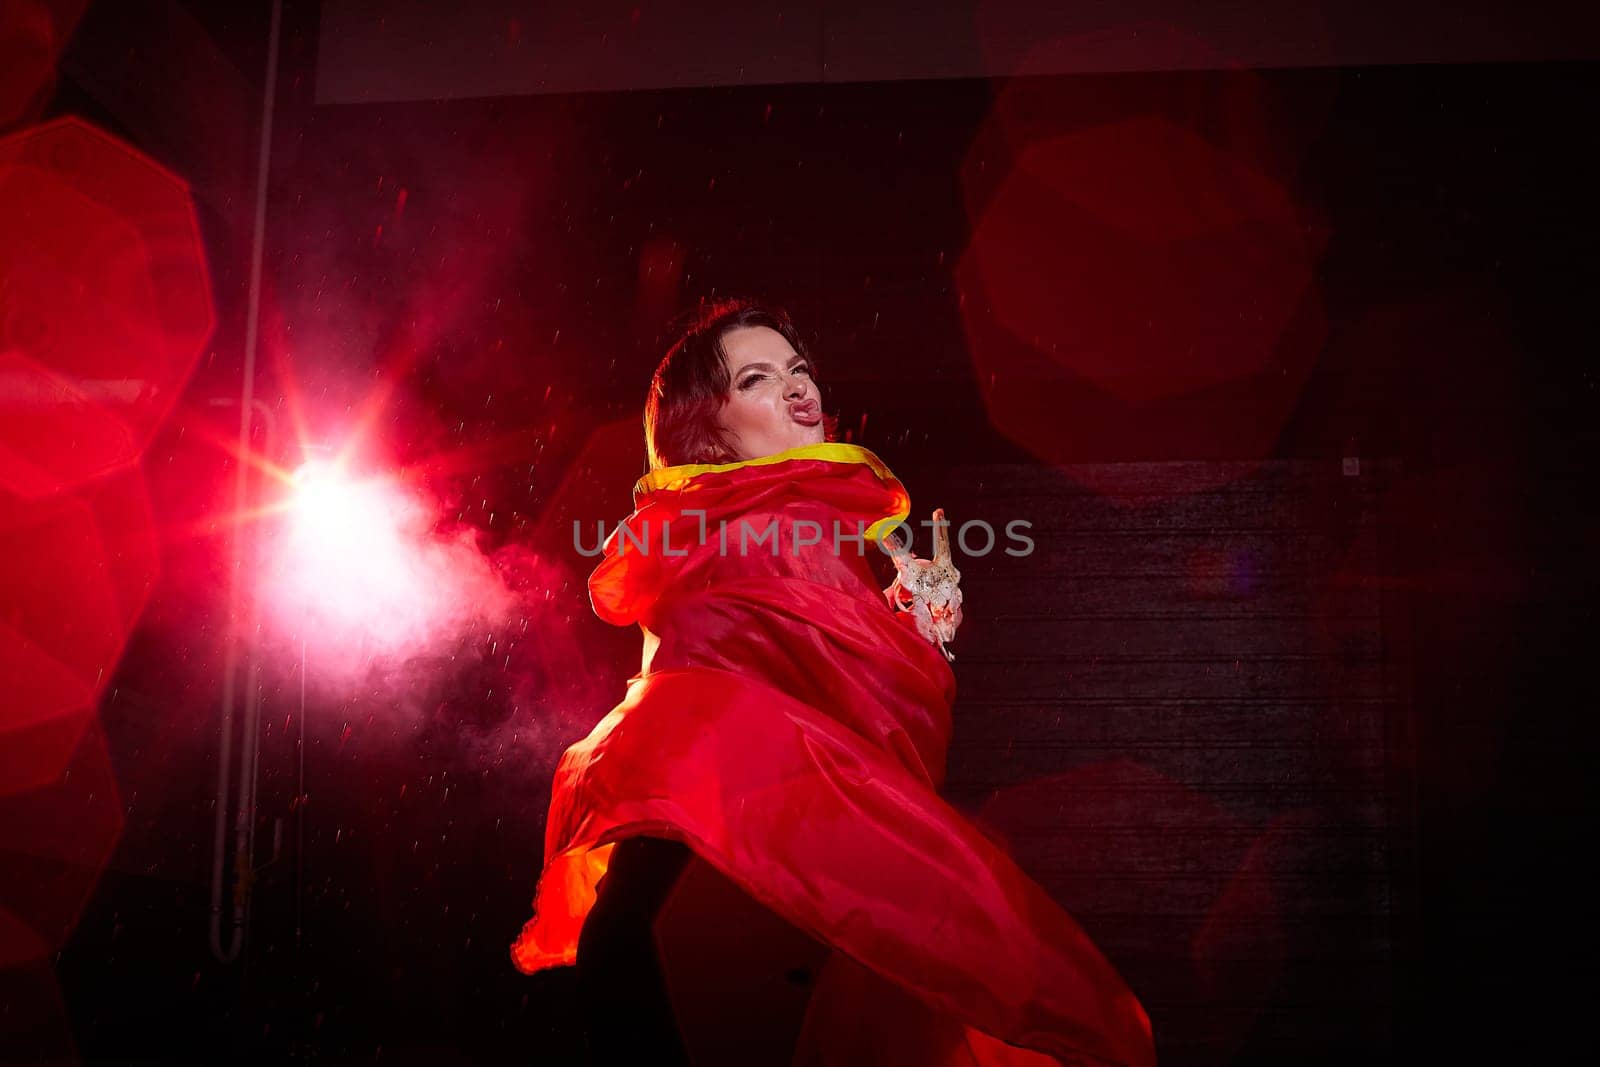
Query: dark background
point(1361, 849)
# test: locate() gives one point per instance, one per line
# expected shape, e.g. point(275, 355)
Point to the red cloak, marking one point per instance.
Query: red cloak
point(791, 728)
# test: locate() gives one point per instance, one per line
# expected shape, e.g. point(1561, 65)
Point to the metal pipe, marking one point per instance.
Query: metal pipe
point(244, 823)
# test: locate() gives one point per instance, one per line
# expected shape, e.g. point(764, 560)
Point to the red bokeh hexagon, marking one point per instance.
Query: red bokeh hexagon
point(77, 570)
point(55, 842)
point(105, 303)
point(1142, 260)
point(1133, 291)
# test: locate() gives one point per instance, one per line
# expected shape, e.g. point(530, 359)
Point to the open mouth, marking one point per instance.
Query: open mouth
point(807, 412)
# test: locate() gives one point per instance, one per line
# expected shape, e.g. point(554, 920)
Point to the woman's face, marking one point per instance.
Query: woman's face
point(773, 405)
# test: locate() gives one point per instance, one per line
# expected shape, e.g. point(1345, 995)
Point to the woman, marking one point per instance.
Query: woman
point(775, 767)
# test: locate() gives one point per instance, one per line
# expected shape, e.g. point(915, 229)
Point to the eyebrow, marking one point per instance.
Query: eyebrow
point(768, 366)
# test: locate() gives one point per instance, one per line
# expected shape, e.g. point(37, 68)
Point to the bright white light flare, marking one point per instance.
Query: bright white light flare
point(360, 570)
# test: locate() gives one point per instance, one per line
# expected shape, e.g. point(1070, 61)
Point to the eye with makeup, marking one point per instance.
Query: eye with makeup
point(745, 383)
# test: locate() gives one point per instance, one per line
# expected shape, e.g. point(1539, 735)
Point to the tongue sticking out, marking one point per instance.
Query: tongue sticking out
point(808, 413)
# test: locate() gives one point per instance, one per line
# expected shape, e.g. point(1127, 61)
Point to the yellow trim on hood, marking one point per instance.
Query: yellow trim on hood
point(670, 478)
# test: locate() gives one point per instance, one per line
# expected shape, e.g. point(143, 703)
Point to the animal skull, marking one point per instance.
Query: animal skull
point(929, 589)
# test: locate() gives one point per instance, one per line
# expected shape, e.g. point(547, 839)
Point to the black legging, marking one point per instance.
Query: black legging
point(628, 1014)
point(626, 1011)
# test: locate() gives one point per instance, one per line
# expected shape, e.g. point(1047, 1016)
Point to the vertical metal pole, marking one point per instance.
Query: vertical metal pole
point(247, 406)
point(300, 793)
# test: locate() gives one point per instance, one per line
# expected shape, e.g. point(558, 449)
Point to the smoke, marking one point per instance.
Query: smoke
point(402, 330)
point(357, 570)
point(391, 611)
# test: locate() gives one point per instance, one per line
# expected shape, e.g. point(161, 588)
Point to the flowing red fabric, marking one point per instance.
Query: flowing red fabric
point(791, 728)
